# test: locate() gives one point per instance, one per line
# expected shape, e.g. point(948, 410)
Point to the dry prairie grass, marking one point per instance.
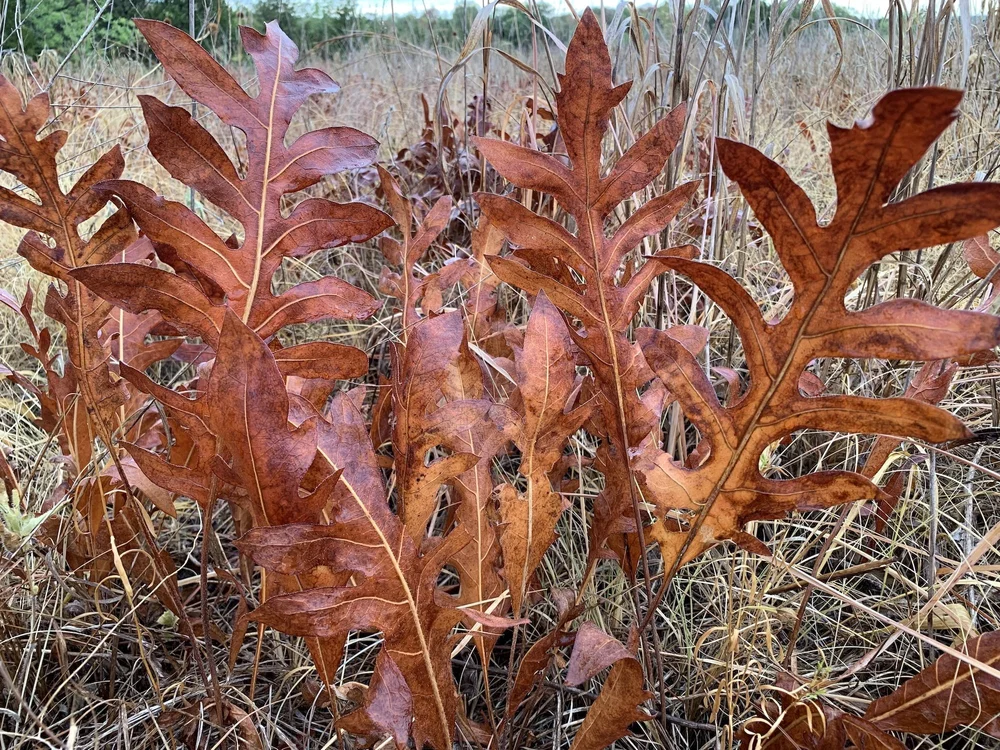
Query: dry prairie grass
point(82, 670)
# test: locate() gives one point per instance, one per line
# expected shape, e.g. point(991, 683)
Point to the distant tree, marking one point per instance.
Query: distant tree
point(31, 26)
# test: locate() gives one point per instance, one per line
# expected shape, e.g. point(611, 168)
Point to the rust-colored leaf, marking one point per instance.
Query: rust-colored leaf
point(546, 369)
point(617, 706)
point(242, 274)
point(981, 258)
point(536, 659)
point(395, 594)
point(85, 400)
point(439, 402)
point(406, 286)
point(215, 279)
point(32, 160)
point(602, 300)
point(194, 442)
point(363, 569)
point(803, 724)
point(947, 694)
point(486, 319)
point(866, 736)
point(425, 372)
point(436, 555)
point(249, 413)
point(698, 507)
point(387, 708)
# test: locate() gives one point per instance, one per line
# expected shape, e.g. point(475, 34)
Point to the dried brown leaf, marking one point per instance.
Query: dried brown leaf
point(603, 306)
point(701, 506)
point(546, 368)
point(617, 706)
point(947, 694)
point(242, 274)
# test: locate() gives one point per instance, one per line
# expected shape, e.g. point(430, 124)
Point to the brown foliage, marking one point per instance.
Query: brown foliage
point(439, 402)
point(211, 273)
point(617, 706)
point(213, 277)
point(546, 383)
point(395, 594)
point(947, 694)
point(548, 255)
point(726, 489)
point(416, 241)
point(57, 216)
point(430, 559)
point(930, 384)
point(86, 401)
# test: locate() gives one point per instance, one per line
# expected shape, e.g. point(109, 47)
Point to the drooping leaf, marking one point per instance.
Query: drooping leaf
point(802, 724)
point(187, 468)
point(947, 694)
point(982, 260)
point(260, 440)
point(388, 706)
point(622, 694)
point(866, 736)
point(480, 428)
point(536, 659)
point(248, 412)
point(980, 257)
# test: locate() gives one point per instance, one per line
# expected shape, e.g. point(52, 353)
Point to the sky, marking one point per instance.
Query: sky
point(875, 8)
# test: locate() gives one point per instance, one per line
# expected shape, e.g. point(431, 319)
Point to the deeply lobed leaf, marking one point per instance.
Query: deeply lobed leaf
point(700, 506)
point(241, 277)
point(548, 255)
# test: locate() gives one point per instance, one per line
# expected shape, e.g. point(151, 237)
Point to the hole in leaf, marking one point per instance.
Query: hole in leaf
point(807, 451)
point(448, 580)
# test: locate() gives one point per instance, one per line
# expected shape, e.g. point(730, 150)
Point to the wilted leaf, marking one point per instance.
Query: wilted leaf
point(982, 258)
point(536, 659)
point(617, 706)
point(387, 708)
point(947, 694)
point(248, 411)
